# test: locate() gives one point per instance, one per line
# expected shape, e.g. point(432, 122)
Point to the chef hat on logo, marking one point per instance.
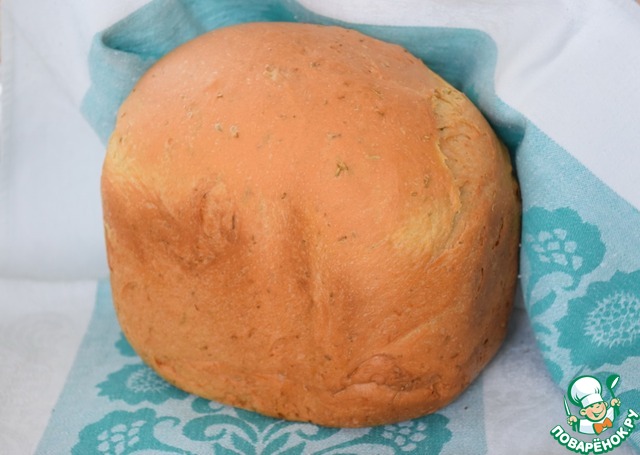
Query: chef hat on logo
point(585, 391)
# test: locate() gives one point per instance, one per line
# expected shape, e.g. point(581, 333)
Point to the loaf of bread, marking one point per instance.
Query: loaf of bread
point(307, 222)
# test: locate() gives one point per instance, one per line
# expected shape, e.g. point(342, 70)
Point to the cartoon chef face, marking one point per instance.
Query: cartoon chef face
point(595, 412)
point(598, 415)
point(586, 392)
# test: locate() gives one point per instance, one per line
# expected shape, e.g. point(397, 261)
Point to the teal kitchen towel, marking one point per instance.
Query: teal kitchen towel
point(580, 271)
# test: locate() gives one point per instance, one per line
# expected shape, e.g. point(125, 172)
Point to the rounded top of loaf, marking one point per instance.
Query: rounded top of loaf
point(308, 112)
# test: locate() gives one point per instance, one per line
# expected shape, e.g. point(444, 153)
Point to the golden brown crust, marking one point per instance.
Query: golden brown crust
point(307, 222)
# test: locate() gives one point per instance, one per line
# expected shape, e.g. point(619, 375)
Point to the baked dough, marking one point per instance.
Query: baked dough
point(307, 222)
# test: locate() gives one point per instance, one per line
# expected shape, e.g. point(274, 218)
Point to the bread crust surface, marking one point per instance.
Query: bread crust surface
point(307, 222)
